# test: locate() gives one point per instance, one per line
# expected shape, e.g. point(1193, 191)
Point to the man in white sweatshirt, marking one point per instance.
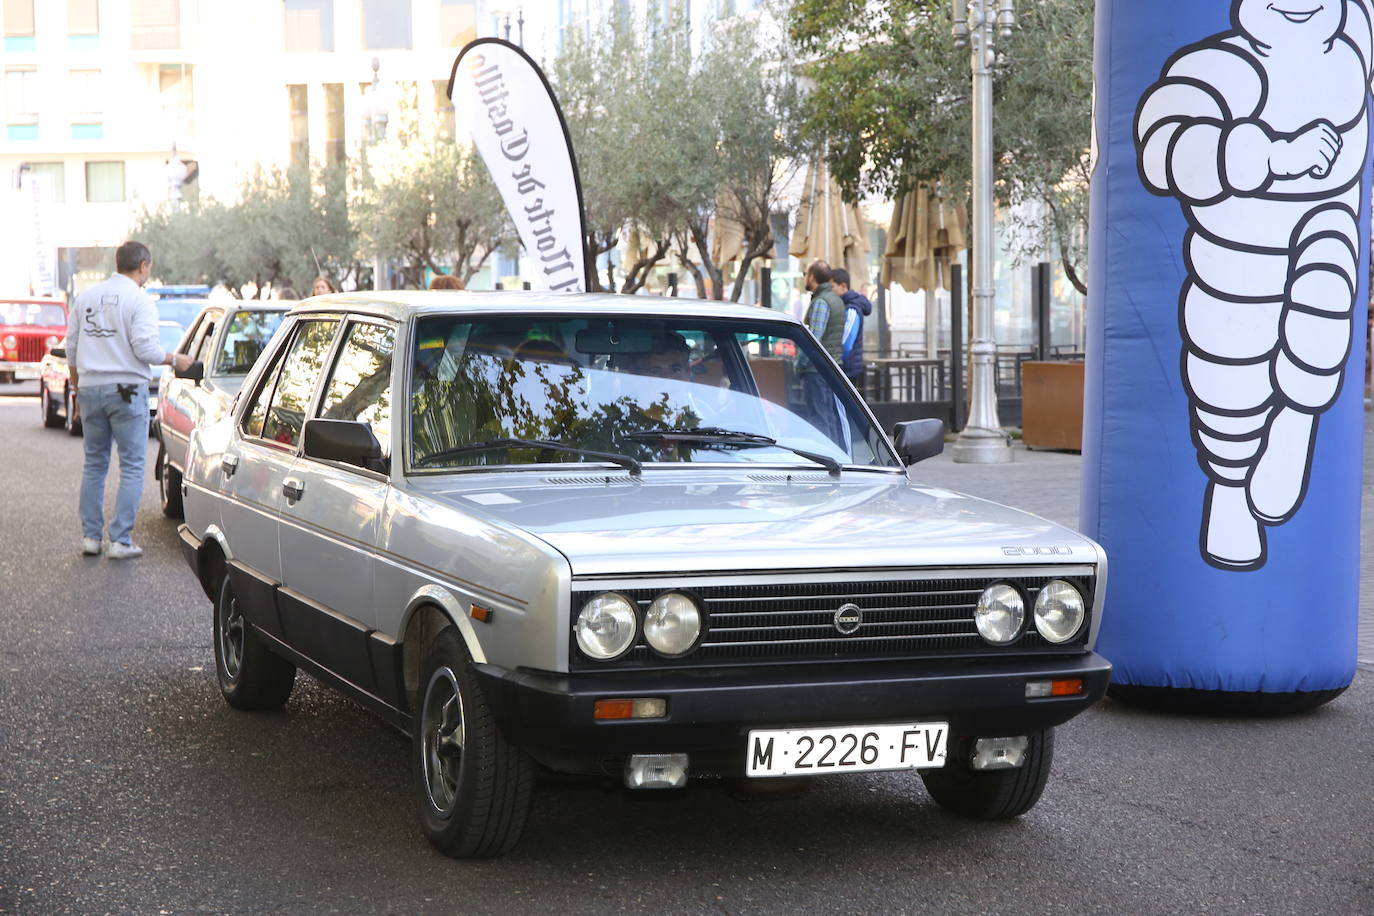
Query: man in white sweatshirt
point(112, 342)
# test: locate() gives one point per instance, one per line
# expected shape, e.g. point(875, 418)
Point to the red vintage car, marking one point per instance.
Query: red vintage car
point(29, 328)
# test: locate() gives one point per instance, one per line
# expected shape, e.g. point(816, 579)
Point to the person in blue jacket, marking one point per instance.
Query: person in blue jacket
point(856, 307)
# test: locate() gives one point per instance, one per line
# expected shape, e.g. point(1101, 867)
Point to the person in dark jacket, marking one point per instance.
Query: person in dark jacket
point(856, 308)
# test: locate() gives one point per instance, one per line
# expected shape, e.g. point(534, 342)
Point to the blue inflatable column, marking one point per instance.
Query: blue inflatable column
point(1227, 299)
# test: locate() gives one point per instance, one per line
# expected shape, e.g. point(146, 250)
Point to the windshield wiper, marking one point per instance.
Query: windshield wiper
point(714, 435)
point(625, 461)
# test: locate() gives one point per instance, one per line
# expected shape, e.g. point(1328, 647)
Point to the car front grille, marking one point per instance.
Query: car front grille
point(796, 620)
point(32, 349)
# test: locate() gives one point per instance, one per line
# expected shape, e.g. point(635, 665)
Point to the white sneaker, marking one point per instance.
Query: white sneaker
point(118, 551)
point(90, 547)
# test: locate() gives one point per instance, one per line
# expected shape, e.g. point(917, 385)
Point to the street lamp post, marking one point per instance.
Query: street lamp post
point(982, 440)
point(376, 115)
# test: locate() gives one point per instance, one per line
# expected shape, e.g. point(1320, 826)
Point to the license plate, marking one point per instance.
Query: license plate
point(27, 373)
point(846, 749)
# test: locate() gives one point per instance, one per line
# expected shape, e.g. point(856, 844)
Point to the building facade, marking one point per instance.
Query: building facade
point(111, 106)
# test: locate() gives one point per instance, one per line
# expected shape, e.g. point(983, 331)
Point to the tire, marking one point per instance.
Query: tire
point(50, 417)
point(472, 788)
point(251, 676)
point(168, 485)
point(991, 795)
point(70, 421)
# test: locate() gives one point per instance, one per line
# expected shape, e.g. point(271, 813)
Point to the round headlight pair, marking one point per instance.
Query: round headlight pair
point(1001, 612)
point(607, 625)
point(10, 341)
point(52, 341)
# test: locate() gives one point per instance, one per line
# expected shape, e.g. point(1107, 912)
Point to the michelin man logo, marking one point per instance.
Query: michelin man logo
point(1261, 133)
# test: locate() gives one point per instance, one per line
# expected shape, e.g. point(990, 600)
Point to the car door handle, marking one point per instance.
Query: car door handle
point(229, 464)
point(292, 489)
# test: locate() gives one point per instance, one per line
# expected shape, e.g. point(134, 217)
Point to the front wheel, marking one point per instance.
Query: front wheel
point(472, 788)
point(990, 795)
point(168, 485)
point(250, 675)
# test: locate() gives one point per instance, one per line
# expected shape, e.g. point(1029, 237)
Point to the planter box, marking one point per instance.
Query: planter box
point(1052, 405)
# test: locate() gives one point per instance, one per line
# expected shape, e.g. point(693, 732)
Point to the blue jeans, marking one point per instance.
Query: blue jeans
point(106, 417)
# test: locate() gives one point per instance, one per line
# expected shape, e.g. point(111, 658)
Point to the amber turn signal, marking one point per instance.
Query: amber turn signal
point(1059, 687)
point(637, 708)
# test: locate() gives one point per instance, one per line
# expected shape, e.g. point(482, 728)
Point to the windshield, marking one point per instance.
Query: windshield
point(664, 390)
point(34, 313)
point(182, 311)
point(248, 333)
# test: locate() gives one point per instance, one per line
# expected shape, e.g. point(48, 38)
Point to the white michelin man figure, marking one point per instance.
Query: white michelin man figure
point(1261, 134)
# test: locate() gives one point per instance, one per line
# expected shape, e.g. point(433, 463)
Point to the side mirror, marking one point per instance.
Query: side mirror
point(59, 352)
point(349, 441)
point(918, 440)
point(195, 372)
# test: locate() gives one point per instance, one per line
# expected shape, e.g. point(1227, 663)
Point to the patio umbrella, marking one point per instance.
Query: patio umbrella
point(828, 228)
point(925, 235)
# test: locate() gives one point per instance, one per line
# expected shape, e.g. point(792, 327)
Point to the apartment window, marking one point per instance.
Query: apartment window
point(299, 105)
point(333, 123)
point(386, 24)
point(84, 96)
point(83, 17)
point(19, 25)
point(310, 25)
point(56, 175)
point(156, 24)
point(443, 108)
point(104, 182)
point(21, 95)
point(457, 22)
point(176, 97)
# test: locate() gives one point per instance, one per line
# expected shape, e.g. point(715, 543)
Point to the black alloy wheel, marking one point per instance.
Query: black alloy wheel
point(472, 788)
point(251, 677)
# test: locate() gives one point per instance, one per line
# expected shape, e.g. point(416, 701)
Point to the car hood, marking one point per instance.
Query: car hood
point(688, 521)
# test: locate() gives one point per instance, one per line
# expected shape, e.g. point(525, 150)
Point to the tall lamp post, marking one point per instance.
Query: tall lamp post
point(376, 113)
point(982, 440)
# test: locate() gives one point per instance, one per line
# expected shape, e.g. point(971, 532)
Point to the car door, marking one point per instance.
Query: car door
point(177, 412)
point(258, 460)
point(329, 527)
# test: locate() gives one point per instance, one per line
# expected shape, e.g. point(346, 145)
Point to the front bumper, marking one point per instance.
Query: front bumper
point(711, 712)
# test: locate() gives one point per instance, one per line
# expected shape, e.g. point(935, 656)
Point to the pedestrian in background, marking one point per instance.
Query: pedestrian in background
point(856, 307)
point(322, 286)
point(825, 316)
point(112, 340)
point(445, 281)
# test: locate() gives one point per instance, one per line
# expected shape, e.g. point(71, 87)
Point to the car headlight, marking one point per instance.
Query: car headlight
point(672, 624)
point(1059, 611)
point(51, 341)
point(999, 614)
point(606, 626)
point(10, 341)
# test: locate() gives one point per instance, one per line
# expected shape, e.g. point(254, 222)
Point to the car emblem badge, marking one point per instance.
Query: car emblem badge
point(848, 619)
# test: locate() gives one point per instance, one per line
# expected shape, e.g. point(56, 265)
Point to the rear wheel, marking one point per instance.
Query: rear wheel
point(72, 421)
point(50, 418)
point(989, 795)
point(250, 675)
point(472, 788)
point(168, 485)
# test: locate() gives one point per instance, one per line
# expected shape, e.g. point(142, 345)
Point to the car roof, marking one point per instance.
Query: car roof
point(401, 304)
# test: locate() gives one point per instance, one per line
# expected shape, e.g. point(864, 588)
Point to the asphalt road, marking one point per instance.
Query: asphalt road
point(128, 786)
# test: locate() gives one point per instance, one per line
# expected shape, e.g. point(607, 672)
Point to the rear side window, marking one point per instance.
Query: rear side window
point(278, 409)
point(360, 386)
point(247, 336)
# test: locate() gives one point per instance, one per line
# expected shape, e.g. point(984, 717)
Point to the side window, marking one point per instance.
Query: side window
point(257, 410)
point(291, 394)
point(200, 346)
point(360, 386)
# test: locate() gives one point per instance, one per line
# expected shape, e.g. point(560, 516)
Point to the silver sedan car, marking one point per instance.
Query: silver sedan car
point(637, 539)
